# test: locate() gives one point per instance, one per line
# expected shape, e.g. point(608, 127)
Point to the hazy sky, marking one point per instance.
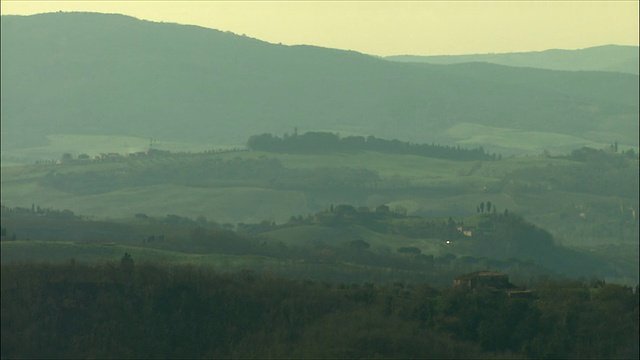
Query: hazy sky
point(390, 27)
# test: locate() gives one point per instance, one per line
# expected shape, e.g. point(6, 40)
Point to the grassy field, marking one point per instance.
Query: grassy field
point(220, 204)
point(520, 141)
point(93, 145)
point(316, 236)
point(63, 252)
point(434, 187)
point(229, 204)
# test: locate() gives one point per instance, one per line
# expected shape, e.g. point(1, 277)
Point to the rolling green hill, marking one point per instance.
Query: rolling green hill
point(338, 243)
point(112, 75)
point(588, 198)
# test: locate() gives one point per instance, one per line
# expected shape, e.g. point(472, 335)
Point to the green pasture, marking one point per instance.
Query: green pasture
point(316, 236)
point(456, 186)
point(419, 170)
point(232, 204)
point(63, 252)
point(583, 220)
point(519, 141)
point(60, 251)
point(458, 204)
point(92, 145)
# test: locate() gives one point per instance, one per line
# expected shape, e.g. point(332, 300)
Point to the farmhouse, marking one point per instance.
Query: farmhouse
point(465, 230)
point(478, 279)
point(493, 280)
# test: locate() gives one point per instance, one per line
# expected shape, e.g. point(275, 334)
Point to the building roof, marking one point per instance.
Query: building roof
point(477, 274)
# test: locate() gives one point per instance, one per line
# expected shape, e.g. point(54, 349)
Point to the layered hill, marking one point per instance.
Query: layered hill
point(97, 74)
point(616, 58)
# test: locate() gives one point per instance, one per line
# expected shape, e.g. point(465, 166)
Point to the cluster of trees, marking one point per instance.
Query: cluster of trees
point(324, 142)
point(35, 210)
point(381, 219)
point(40, 211)
point(4, 235)
point(587, 154)
point(508, 235)
point(132, 310)
point(490, 208)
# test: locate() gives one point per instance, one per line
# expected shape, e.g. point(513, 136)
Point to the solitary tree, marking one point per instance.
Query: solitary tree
point(126, 263)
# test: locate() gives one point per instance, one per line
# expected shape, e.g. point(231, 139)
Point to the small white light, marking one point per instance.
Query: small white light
point(448, 242)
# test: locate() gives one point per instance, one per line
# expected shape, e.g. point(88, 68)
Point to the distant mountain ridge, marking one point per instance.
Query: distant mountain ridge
point(98, 74)
point(618, 58)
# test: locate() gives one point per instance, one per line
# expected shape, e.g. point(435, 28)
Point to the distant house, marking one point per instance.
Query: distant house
point(138, 153)
point(108, 157)
point(525, 294)
point(493, 280)
point(465, 230)
point(478, 279)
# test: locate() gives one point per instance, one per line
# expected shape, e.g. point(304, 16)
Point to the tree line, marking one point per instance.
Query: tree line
point(325, 142)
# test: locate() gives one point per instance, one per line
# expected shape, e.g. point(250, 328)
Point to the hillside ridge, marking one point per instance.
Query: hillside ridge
point(609, 57)
point(95, 74)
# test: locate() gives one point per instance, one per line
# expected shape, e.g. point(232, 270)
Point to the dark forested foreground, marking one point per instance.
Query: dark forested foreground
point(130, 310)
